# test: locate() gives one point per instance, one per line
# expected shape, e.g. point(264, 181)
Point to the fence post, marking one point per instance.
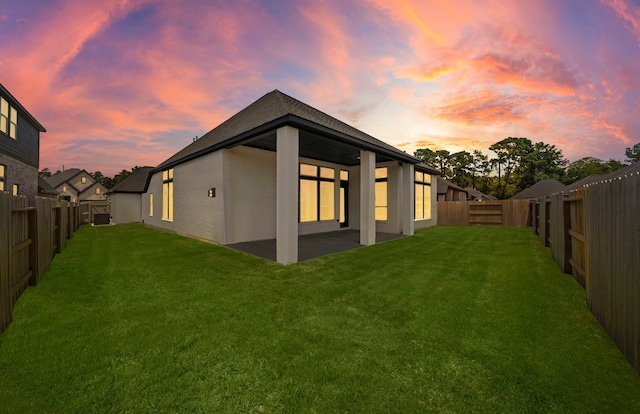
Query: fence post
point(6, 312)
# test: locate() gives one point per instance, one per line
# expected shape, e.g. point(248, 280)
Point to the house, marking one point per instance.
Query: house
point(279, 169)
point(46, 190)
point(540, 189)
point(19, 147)
point(448, 191)
point(633, 168)
point(475, 195)
point(125, 197)
point(75, 184)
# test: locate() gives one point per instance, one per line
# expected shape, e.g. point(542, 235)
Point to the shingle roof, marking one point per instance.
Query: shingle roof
point(478, 194)
point(18, 105)
point(444, 185)
point(540, 189)
point(45, 188)
point(425, 168)
point(271, 111)
point(62, 176)
point(135, 183)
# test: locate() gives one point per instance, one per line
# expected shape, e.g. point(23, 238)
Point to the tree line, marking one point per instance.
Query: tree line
point(107, 181)
point(519, 163)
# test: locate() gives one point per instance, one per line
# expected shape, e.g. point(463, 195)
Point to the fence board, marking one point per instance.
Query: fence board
point(29, 238)
point(493, 213)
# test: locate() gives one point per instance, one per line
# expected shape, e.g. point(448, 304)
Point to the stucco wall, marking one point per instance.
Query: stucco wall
point(125, 208)
point(250, 187)
point(18, 172)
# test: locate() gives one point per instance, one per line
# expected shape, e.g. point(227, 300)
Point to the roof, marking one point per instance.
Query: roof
point(134, 183)
point(425, 168)
point(628, 169)
point(45, 188)
point(540, 189)
point(478, 194)
point(272, 111)
point(15, 103)
point(444, 186)
point(60, 177)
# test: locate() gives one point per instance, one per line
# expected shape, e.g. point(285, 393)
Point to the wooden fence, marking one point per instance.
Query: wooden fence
point(594, 234)
point(88, 209)
point(484, 213)
point(31, 233)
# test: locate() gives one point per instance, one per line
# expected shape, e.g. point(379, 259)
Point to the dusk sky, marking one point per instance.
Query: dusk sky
point(119, 83)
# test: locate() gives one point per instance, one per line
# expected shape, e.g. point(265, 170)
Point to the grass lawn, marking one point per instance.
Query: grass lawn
point(454, 319)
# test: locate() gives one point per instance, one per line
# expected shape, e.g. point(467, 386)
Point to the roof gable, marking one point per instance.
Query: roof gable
point(134, 183)
point(60, 177)
point(540, 189)
point(15, 103)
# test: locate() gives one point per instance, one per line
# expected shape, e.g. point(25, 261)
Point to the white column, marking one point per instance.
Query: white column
point(367, 198)
point(407, 204)
point(287, 153)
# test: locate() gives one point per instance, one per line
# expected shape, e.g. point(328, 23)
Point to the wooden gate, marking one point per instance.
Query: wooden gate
point(88, 210)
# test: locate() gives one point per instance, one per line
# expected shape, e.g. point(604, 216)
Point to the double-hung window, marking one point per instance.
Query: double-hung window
point(8, 118)
point(3, 176)
point(422, 184)
point(167, 194)
point(317, 193)
point(381, 198)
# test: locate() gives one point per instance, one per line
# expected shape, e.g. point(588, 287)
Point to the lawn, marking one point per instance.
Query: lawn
point(455, 319)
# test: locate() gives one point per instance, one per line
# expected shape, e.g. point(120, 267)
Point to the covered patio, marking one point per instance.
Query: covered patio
point(311, 246)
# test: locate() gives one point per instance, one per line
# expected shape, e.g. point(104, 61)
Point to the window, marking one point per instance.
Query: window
point(167, 194)
point(64, 188)
point(8, 118)
point(3, 172)
point(317, 193)
point(14, 190)
point(422, 184)
point(381, 194)
point(84, 180)
point(98, 191)
point(151, 205)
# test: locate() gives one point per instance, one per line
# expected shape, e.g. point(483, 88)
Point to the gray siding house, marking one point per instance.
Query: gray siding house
point(279, 169)
point(19, 147)
point(125, 197)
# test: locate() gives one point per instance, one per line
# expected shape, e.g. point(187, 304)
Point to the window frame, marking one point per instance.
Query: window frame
point(150, 204)
point(304, 174)
point(3, 176)
point(425, 184)
point(167, 194)
point(385, 180)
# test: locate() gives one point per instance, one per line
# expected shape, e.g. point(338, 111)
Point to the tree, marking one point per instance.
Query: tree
point(544, 162)
point(440, 160)
point(45, 173)
point(510, 151)
point(461, 165)
point(480, 169)
point(587, 166)
point(633, 153)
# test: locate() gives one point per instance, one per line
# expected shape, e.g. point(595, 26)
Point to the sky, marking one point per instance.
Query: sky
point(123, 83)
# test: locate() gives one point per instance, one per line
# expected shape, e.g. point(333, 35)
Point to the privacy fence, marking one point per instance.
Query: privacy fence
point(484, 213)
point(594, 234)
point(31, 233)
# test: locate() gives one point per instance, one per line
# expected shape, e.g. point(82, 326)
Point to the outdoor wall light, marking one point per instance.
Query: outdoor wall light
point(212, 192)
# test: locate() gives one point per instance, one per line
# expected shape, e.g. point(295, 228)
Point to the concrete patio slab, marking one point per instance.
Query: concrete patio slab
point(312, 245)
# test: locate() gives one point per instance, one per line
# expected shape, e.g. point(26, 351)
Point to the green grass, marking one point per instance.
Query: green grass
point(454, 319)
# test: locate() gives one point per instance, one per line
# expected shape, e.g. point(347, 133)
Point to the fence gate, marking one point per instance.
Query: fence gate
point(89, 209)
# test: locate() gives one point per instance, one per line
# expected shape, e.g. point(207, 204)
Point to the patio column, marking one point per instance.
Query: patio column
point(367, 198)
point(287, 153)
point(407, 205)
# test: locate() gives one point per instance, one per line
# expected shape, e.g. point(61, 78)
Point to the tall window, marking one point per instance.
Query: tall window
point(422, 184)
point(167, 194)
point(317, 193)
point(151, 205)
point(3, 172)
point(8, 118)
point(381, 194)
point(15, 189)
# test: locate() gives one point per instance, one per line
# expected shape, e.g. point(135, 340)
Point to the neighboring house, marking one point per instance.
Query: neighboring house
point(542, 188)
point(281, 168)
point(45, 189)
point(19, 147)
point(125, 197)
point(448, 191)
point(475, 195)
point(75, 184)
point(633, 168)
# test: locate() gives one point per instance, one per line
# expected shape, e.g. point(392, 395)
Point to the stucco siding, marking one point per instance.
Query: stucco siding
point(155, 188)
point(250, 186)
point(125, 208)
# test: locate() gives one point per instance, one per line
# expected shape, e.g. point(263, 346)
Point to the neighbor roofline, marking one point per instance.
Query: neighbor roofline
point(17, 103)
